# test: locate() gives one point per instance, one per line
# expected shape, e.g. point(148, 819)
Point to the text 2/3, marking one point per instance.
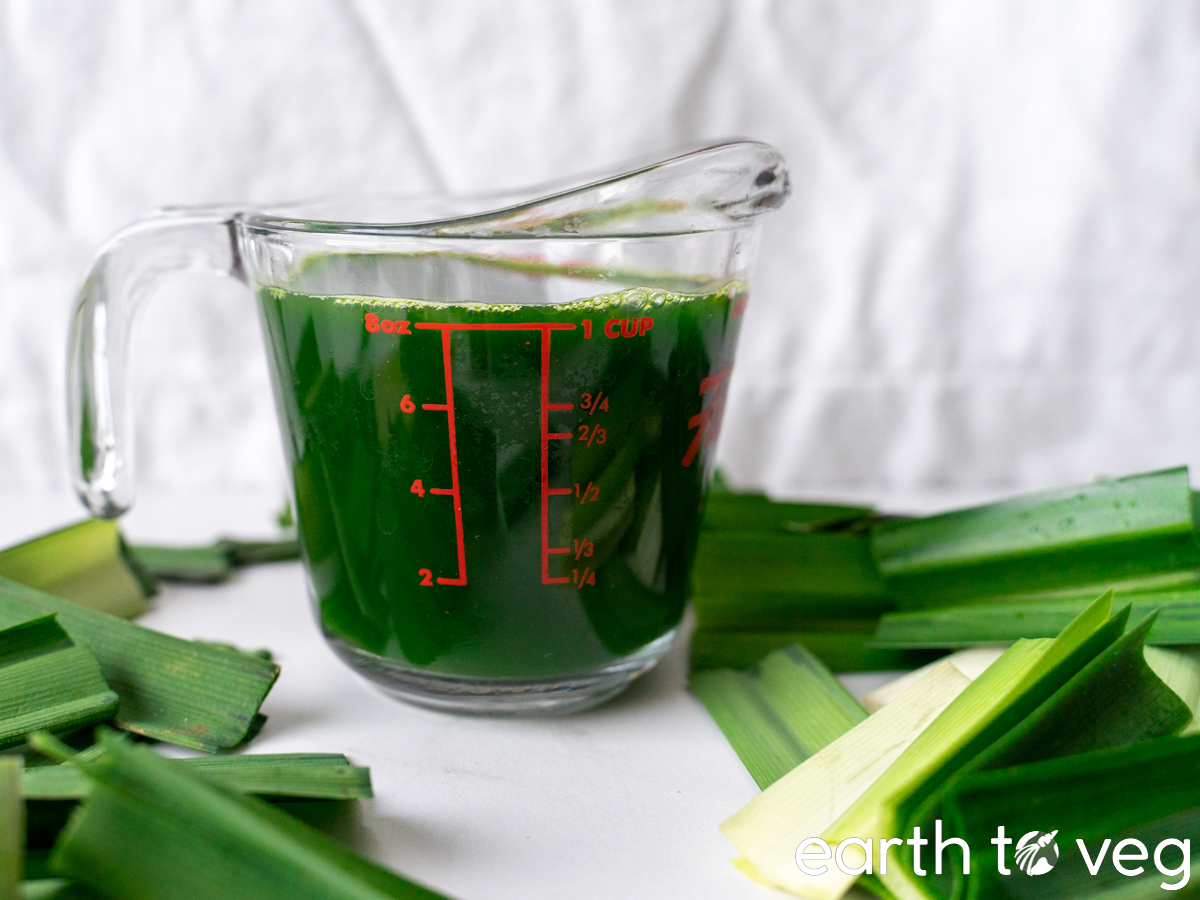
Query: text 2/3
point(592, 433)
point(374, 324)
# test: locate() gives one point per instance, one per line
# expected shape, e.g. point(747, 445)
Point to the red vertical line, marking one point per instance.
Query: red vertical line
point(454, 489)
point(546, 491)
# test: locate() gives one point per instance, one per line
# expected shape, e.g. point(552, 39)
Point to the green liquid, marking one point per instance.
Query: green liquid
point(564, 553)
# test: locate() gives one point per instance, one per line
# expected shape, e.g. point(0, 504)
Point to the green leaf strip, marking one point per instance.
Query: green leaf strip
point(314, 776)
point(1156, 789)
point(184, 692)
point(149, 829)
point(780, 713)
point(1178, 622)
point(47, 683)
point(86, 563)
point(12, 828)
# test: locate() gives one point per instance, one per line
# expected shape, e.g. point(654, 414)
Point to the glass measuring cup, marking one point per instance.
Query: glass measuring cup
point(498, 425)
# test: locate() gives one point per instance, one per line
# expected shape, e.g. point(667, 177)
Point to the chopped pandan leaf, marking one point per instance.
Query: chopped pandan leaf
point(776, 581)
point(1148, 792)
point(1022, 679)
point(1115, 700)
point(151, 829)
point(214, 562)
point(808, 800)
point(780, 713)
point(1178, 622)
point(972, 663)
point(52, 792)
point(840, 650)
point(87, 563)
point(1179, 669)
point(12, 828)
point(250, 553)
point(314, 776)
point(48, 683)
point(184, 692)
point(728, 512)
point(1096, 533)
point(203, 565)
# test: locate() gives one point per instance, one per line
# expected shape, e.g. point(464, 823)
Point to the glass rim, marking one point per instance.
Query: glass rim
point(718, 187)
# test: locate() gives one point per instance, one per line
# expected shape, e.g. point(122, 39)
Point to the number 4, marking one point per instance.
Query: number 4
point(417, 488)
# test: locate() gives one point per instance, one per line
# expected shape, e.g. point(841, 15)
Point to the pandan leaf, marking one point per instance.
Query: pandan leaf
point(87, 563)
point(52, 792)
point(149, 829)
point(1179, 670)
point(1178, 622)
point(315, 776)
point(1022, 679)
point(808, 800)
point(972, 663)
point(214, 562)
point(756, 513)
point(1109, 530)
point(48, 683)
point(840, 650)
point(1148, 791)
point(12, 828)
point(780, 713)
point(1115, 700)
point(184, 692)
point(775, 581)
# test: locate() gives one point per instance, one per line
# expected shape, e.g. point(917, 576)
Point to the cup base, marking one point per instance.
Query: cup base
point(502, 696)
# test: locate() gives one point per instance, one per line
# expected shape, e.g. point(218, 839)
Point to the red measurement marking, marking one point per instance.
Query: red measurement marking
point(587, 329)
point(453, 490)
point(547, 491)
point(587, 577)
point(708, 420)
point(545, 328)
point(596, 402)
point(583, 547)
point(596, 433)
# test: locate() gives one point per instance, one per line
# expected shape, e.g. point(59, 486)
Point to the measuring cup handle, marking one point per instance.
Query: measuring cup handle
point(122, 277)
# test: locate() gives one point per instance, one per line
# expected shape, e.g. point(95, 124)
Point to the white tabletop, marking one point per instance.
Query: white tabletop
point(623, 801)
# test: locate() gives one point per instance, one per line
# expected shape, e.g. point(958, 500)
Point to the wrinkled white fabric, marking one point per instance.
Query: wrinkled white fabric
point(987, 276)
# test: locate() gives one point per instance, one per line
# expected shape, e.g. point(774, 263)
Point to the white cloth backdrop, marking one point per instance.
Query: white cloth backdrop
point(987, 278)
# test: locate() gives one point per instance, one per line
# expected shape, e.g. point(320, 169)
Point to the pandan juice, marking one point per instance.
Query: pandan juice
point(500, 489)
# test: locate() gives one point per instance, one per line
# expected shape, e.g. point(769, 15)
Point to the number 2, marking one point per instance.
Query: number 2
point(426, 577)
